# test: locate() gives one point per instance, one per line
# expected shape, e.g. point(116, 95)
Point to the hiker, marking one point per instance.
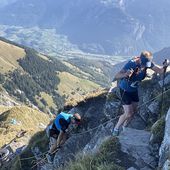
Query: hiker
point(58, 131)
point(132, 73)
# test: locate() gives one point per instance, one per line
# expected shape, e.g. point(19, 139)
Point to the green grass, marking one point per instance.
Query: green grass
point(30, 120)
point(105, 159)
point(75, 88)
point(9, 54)
point(158, 130)
point(27, 119)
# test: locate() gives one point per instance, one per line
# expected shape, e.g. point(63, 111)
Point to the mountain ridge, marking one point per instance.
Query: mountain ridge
point(97, 26)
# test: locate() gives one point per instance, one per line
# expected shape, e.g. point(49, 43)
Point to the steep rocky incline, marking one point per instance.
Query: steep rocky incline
point(100, 114)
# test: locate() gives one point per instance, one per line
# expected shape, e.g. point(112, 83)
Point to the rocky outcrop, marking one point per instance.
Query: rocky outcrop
point(164, 151)
point(101, 135)
point(154, 108)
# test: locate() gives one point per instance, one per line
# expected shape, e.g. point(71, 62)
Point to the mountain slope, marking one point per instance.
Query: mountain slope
point(9, 54)
point(17, 118)
point(161, 55)
point(102, 108)
point(36, 79)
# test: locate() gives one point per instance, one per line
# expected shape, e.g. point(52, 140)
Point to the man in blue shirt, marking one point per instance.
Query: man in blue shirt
point(132, 73)
point(58, 130)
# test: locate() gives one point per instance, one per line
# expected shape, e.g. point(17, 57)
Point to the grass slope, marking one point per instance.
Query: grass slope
point(47, 82)
point(107, 158)
point(74, 88)
point(9, 54)
point(20, 117)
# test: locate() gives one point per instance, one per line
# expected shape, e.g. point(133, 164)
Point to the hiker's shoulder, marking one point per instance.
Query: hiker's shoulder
point(130, 64)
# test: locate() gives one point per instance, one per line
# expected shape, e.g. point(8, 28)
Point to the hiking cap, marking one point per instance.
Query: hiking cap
point(146, 59)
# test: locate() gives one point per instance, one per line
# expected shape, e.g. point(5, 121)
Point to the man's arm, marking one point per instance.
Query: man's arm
point(158, 69)
point(126, 71)
point(57, 143)
point(62, 135)
point(123, 74)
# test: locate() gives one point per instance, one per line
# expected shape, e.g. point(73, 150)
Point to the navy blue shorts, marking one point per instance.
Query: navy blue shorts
point(129, 97)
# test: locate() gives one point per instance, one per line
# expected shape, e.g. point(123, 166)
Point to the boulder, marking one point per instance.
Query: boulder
point(131, 168)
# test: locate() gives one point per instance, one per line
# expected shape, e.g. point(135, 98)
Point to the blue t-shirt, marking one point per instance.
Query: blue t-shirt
point(131, 84)
point(61, 116)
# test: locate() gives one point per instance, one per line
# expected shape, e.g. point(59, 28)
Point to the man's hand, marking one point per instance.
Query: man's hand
point(166, 63)
point(129, 73)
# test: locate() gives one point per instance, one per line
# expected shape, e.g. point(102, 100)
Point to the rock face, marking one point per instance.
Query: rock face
point(154, 107)
point(71, 147)
point(164, 151)
point(135, 143)
point(102, 134)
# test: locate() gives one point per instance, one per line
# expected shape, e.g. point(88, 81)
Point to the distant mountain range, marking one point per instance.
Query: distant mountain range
point(97, 26)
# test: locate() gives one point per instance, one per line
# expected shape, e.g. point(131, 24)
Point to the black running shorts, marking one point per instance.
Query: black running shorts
point(129, 97)
point(54, 132)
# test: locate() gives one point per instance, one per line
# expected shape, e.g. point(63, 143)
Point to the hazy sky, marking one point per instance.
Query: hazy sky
point(6, 2)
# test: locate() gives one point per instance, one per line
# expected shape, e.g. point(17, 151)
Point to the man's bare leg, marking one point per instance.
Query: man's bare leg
point(128, 112)
point(134, 108)
point(64, 138)
point(53, 148)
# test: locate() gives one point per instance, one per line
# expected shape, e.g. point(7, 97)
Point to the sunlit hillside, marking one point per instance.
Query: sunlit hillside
point(48, 83)
point(69, 86)
point(9, 54)
point(15, 119)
